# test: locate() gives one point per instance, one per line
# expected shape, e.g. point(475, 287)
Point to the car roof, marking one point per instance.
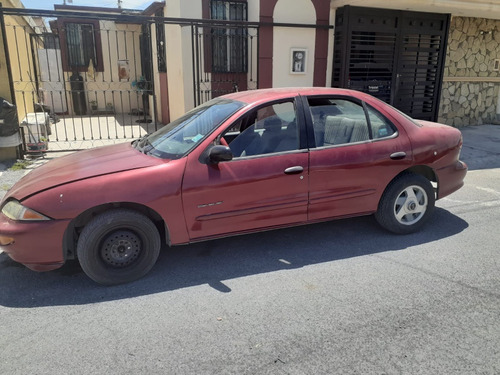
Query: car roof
point(265, 95)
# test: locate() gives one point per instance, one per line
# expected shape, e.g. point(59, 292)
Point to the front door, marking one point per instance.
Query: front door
point(264, 186)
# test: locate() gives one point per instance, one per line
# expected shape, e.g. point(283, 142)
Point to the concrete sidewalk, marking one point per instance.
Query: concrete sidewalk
point(94, 131)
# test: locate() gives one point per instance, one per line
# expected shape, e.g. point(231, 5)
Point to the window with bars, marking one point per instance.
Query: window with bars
point(229, 45)
point(81, 44)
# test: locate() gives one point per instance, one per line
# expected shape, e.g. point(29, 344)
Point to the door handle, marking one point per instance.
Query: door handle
point(294, 170)
point(398, 155)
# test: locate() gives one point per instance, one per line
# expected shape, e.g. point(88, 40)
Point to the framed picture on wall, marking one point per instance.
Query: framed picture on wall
point(298, 61)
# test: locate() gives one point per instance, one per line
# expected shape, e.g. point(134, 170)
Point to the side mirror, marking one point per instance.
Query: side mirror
point(219, 153)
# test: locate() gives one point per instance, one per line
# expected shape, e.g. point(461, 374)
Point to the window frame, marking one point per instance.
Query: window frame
point(62, 32)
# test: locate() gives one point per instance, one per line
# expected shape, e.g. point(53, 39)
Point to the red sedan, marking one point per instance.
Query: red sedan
point(240, 163)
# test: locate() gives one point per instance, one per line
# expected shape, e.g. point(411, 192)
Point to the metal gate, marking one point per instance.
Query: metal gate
point(397, 56)
point(224, 60)
point(81, 80)
point(88, 79)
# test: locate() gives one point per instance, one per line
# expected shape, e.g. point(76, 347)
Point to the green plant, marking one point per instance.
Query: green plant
point(19, 165)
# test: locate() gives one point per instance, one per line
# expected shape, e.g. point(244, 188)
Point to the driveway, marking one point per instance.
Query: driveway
point(341, 297)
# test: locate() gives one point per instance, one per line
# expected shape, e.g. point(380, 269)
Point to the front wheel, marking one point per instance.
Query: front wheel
point(118, 246)
point(406, 204)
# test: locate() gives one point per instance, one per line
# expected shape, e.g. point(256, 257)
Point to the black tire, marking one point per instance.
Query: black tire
point(406, 204)
point(118, 246)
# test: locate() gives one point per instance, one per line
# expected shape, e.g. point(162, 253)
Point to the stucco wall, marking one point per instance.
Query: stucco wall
point(5, 91)
point(286, 38)
point(21, 63)
point(179, 56)
point(4, 77)
point(471, 85)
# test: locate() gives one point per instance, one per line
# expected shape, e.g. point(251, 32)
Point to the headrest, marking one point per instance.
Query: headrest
point(272, 123)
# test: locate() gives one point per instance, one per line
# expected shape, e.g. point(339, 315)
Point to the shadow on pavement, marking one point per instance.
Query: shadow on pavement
point(214, 261)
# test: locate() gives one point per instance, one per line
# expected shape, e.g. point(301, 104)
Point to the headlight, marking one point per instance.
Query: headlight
point(16, 211)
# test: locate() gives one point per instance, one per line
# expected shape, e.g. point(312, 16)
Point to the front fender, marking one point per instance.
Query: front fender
point(156, 187)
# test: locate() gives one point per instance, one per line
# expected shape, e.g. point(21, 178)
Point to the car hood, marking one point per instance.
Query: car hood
point(81, 165)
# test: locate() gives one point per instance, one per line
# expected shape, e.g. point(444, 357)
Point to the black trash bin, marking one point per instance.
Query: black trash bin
point(10, 140)
point(78, 94)
point(9, 123)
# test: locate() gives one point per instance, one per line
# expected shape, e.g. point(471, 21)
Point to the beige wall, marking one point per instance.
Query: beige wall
point(21, 63)
point(179, 60)
point(176, 71)
point(17, 30)
point(4, 77)
point(286, 38)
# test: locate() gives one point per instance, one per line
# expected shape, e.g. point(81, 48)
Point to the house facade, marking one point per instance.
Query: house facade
point(97, 63)
point(433, 59)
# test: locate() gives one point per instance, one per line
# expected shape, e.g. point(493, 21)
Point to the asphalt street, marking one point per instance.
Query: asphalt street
point(342, 297)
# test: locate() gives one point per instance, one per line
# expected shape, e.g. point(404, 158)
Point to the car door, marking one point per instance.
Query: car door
point(265, 184)
point(357, 153)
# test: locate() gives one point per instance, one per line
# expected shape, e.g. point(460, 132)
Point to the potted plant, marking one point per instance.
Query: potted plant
point(109, 107)
point(93, 105)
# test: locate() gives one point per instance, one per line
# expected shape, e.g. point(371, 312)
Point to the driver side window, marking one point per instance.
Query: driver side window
point(266, 130)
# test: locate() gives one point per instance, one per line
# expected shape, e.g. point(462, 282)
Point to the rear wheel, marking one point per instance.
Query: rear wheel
point(118, 246)
point(406, 204)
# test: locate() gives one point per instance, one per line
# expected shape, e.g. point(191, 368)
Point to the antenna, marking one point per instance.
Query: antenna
point(119, 4)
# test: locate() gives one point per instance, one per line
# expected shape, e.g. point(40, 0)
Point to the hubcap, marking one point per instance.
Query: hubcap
point(121, 248)
point(410, 205)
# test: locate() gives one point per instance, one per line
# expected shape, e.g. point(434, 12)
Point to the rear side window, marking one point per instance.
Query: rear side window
point(381, 127)
point(338, 121)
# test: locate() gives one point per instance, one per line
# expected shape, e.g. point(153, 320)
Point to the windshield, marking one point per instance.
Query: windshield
point(176, 139)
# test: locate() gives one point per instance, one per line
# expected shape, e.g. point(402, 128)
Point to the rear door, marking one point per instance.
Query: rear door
point(264, 186)
point(357, 153)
